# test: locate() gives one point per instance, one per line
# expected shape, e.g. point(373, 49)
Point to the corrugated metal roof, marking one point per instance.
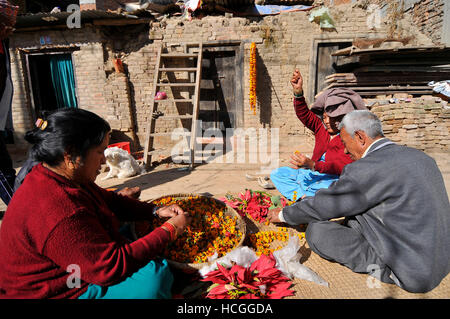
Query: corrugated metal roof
point(51, 19)
point(353, 50)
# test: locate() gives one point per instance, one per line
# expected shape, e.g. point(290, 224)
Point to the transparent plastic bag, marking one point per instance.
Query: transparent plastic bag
point(242, 256)
point(288, 262)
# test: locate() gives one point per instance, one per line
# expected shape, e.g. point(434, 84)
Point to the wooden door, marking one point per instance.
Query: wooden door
point(218, 99)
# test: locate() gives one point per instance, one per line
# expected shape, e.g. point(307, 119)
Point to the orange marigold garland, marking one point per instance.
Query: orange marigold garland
point(253, 77)
point(211, 230)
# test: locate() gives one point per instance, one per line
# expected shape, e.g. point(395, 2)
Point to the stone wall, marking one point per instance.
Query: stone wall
point(423, 123)
point(428, 15)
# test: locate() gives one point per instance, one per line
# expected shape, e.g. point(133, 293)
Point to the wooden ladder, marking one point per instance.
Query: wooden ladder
point(162, 66)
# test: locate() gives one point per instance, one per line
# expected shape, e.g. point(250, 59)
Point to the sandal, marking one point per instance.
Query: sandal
point(264, 182)
point(254, 177)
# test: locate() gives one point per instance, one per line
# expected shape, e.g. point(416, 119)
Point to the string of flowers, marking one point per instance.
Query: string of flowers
point(211, 230)
point(253, 77)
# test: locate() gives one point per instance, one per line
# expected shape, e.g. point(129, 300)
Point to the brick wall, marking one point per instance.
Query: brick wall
point(88, 6)
point(283, 43)
point(91, 78)
point(89, 70)
point(422, 123)
point(428, 15)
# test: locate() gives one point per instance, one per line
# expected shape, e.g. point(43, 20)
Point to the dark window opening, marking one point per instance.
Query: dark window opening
point(52, 82)
point(326, 63)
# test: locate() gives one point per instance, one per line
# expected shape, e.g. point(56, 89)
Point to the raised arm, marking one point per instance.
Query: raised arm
point(308, 118)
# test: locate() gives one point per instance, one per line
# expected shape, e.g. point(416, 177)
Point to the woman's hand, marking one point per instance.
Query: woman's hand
point(297, 82)
point(299, 160)
point(169, 211)
point(180, 222)
point(133, 192)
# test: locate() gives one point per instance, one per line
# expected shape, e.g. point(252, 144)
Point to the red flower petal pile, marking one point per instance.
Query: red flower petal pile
point(254, 203)
point(260, 281)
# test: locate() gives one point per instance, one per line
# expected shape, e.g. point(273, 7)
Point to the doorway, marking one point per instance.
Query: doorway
point(220, 105)
point(52, 81)
point(221, 96)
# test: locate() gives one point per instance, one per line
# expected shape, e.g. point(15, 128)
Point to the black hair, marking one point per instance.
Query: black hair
point(72, 131)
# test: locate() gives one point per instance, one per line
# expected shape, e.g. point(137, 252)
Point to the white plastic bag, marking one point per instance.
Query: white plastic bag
point(287, 258)
point(288, 262)
point(242, 256)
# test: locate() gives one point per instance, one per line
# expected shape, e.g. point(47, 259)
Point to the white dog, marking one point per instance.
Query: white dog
point(121, 163)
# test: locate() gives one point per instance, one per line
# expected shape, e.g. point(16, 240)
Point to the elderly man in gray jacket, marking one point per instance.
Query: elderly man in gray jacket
point(397, 225)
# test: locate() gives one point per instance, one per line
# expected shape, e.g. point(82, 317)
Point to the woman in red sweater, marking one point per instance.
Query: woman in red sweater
point(60, 234)
point(305, 176)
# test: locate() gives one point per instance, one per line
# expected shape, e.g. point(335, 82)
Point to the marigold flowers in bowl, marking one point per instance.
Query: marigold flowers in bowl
point(215, 230)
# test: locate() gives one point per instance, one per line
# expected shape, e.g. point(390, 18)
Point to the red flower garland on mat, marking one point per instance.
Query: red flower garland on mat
point(259, 281)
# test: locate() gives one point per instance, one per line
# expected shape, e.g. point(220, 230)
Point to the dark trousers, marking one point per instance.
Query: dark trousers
point(346, 245)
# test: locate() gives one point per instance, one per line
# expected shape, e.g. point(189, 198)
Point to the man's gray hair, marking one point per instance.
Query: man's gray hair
point(362, 120)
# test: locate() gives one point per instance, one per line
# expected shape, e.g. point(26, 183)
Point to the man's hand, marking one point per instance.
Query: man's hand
point(297, 82)
point(299, 160)
point(170, 211)
point(272, 215)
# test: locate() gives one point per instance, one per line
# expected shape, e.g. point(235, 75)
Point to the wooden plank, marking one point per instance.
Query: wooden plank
point(196, 104)
point(178, 55)
point(391, 87)
point(170, 133)
point(388, 69)
point(175, 101)
point(174, 117)
point(175, 84)
point(177, 69)
point(121, 22)
point(372, 93)
point(149, 139)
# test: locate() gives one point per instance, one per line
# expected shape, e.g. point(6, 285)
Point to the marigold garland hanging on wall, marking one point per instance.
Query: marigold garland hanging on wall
point(253, 77)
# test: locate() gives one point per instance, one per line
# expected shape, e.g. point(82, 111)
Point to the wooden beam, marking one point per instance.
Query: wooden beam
point(120, 22)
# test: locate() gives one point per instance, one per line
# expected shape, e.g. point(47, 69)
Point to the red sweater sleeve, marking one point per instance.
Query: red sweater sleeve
point(126, 208)
point(81, 240)
point(333, 167)
point(308, 118)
